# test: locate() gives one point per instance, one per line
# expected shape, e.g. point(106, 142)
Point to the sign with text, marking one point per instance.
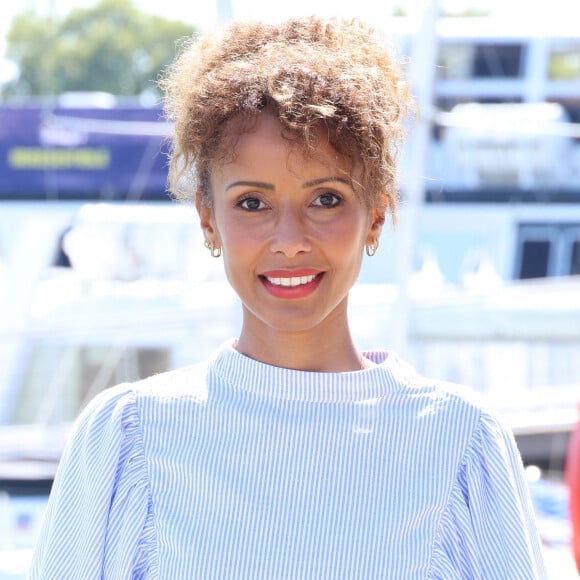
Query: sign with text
point(83, 154)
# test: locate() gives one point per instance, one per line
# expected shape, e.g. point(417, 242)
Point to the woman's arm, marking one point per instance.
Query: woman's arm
point(99, 504)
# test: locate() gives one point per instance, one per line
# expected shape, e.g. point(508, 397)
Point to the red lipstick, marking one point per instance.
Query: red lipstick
point(291, 284)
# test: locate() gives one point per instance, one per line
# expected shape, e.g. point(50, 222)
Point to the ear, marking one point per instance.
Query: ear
point(377, 219)
point(206, 219)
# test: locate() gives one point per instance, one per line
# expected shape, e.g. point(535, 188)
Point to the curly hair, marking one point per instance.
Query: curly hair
point(310, 72)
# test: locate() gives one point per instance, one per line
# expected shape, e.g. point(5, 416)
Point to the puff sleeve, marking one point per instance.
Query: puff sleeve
point(488, 529)
point(98, 522)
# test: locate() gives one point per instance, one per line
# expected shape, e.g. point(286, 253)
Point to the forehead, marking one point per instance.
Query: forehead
point(247, 141)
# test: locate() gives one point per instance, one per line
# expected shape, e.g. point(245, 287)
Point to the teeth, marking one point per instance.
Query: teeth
point(291, 282)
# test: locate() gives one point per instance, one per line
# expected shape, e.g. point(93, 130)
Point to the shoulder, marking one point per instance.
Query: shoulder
point(118, 408)
point(437, 395)
point(188, 382)
point(455, 410)
point(112, 405)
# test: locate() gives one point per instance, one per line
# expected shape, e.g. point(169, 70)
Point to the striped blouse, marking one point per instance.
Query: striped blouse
point(237, 469)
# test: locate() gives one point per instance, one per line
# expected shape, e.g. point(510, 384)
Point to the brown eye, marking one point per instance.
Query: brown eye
point(328, 199)
point(251, 204)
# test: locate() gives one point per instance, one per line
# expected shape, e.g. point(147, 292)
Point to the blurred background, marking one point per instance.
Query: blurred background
point(104, 279)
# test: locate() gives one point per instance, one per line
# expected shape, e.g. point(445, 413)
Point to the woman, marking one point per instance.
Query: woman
point(290, 454)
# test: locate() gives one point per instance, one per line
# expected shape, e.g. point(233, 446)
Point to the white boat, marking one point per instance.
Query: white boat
point(103, 279)
point(490, 301)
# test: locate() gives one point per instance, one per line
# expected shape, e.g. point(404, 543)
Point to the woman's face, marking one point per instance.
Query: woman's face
point(292, 231)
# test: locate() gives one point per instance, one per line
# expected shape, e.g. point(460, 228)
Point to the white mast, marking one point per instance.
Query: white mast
point(423, 60)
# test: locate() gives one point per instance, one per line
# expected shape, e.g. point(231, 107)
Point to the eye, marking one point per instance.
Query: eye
point(327, 199)
point(251, 204)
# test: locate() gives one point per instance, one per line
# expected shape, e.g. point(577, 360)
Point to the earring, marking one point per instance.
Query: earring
point(371, 249)
point(215, 252)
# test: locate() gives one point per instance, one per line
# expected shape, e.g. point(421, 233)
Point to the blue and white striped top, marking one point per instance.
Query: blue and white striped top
point(238, 469)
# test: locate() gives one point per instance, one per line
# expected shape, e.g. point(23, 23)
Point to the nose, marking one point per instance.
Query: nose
point(290, 236)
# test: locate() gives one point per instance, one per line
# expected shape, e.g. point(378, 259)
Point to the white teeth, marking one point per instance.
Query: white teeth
point(291, 282)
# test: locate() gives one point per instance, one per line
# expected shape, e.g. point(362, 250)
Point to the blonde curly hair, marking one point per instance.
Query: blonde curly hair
point(311, 72)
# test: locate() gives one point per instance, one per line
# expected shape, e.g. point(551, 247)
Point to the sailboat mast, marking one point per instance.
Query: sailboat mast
point(423, 60)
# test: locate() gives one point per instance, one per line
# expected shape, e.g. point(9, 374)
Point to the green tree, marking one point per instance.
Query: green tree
point(111, 47)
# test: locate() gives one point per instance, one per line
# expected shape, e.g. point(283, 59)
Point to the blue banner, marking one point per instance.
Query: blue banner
point(83, 154)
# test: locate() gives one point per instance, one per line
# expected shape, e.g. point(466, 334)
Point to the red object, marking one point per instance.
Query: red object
point(292, 292)
point(573, 481)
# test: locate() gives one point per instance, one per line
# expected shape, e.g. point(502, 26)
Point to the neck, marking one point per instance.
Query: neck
point(306, 350)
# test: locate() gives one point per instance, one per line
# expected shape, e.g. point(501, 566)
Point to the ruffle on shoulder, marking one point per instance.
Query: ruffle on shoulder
point(488, 530)
point(131, 528)
point(99, 519)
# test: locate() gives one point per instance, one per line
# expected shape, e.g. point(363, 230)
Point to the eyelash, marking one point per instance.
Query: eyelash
point(240, 203)
point(336, 198)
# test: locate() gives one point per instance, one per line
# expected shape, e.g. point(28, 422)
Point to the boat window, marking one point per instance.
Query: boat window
point(548, 250)
point(564, 61)
point(572, 107)
point(454, 61)
point(486, 60)
point(61, 377)
point(575, 259)
point(535, 259)
point(61, 259)
point(497, 60)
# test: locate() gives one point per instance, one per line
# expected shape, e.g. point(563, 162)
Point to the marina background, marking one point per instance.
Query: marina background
point(104, 279)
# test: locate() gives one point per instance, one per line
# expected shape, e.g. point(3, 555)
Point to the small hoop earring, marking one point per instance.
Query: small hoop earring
point(371, 249)
point(215, 252)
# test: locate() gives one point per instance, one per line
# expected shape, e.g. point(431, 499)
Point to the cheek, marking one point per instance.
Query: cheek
point(236, 237)
point(242, 245)
point(348, 234)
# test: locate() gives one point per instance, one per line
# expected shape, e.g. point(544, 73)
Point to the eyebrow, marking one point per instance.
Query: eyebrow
point(261, 184)
point(325, 180)
point(270, 186)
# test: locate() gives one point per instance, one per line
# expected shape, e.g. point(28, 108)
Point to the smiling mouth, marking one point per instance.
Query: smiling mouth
point(291, 282)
